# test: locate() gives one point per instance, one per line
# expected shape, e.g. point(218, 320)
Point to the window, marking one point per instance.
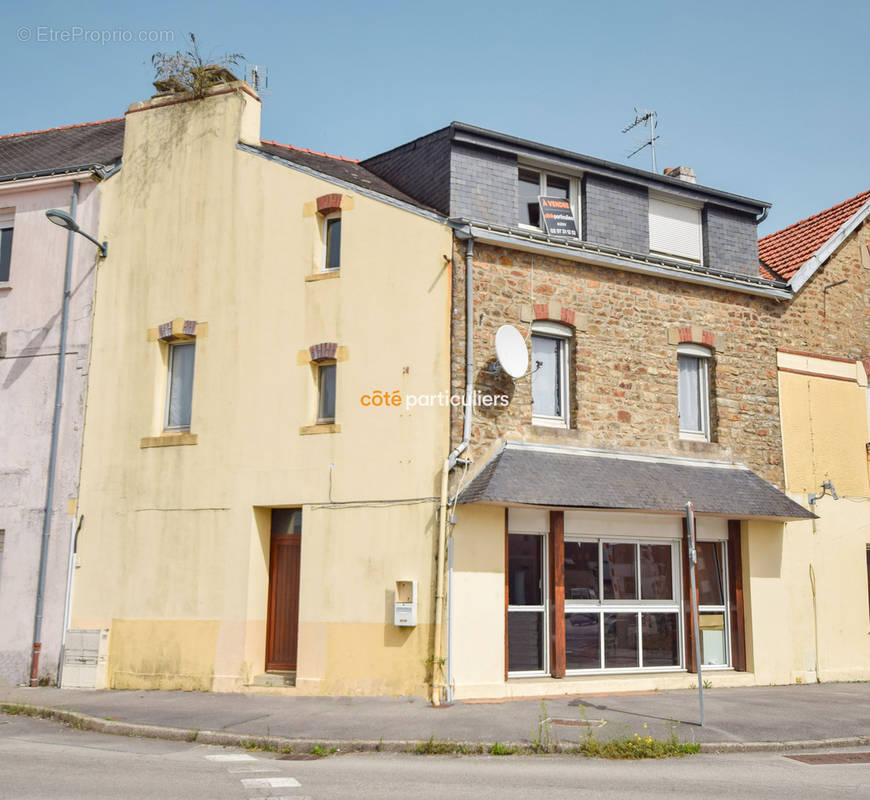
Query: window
point(694, 392)
point(5, 245)
point(531, 185)
point(332, 242)
point(622, 607)
point(326, 394)
point(527, 611)
point(179, 391)
point(712, 604)
point(550, 374)
point(674, 229)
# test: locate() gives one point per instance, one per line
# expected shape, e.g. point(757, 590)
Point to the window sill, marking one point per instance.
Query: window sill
point(687, 436)
point(5, 285)
point(168, 440)
point(323, 276)
point(323, 427)
point(558, 424)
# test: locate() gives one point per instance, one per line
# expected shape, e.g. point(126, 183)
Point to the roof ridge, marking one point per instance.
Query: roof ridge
point(309, 150)
point(815, 216)
point(61, 128)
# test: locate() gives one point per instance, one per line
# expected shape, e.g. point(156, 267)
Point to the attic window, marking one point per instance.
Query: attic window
point(674, 229)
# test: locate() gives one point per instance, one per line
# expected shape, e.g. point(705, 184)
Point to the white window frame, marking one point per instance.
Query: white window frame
point(601, 606)
point(544, 609)
point(573, 193)
point(722, 608)
point(703, 354)
point(323, 247)
point(656, 198)
point(555, 330)
point(7, 221)
point(319, 377)
point(171, 356)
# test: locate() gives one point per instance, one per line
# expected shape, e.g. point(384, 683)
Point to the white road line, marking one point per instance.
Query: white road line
point(252, 768)
point(231, 757)
point(270, 783)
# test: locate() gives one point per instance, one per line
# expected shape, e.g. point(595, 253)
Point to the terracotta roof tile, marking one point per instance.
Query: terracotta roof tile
point(785, 251)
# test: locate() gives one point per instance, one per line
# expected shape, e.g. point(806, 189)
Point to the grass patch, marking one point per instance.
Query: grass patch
point(317, 750)
point(444, 747)
point(637, 746)
point(499, 749)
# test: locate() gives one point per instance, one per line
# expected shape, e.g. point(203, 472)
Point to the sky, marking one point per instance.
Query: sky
point(763, 99)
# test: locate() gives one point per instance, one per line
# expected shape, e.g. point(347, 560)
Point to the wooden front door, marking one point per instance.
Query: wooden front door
point(282, 625)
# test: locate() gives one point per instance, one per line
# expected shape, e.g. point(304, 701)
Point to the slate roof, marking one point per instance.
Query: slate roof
point(345, 169)
point(574, 478)
point(785, 251)
point(58, 150)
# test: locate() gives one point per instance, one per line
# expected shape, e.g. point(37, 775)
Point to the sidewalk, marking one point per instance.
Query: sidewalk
point(812, 714)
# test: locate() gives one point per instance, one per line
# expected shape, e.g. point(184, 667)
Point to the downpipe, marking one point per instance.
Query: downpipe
point(440, 681)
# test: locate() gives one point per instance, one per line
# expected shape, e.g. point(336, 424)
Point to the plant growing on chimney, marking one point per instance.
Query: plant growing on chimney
point(190, 71)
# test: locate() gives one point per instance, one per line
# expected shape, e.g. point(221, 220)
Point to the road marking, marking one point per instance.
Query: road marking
point(231, 757)
point(270, 783)
point(251, 768)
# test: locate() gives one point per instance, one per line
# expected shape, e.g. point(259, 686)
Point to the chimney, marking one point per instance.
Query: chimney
point(686, 174)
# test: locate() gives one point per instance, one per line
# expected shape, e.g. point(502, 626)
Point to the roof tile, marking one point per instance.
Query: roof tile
point(784, 252)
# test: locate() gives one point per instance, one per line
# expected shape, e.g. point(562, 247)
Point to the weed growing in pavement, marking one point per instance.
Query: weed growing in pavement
point(542, 737)
point(708, 684)
point(498, 749)
point(317, 750)
point(637, 746)
point(443, 747)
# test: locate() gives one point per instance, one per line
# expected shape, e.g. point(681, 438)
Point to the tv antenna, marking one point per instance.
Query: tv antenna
point(257, 77)
point(645, 116)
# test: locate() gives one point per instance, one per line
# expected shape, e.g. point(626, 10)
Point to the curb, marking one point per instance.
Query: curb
point(77, 719)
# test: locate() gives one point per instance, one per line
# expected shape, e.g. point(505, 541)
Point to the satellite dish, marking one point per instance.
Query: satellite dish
point(510, 349)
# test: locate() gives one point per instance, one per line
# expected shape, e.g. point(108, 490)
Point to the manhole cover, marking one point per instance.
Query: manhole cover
point(833, 758)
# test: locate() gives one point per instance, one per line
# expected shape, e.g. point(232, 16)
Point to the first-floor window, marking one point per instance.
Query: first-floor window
point(527, 612)
point(550, 374)
point(326, 393)
point(694, 391)
point(179, 394)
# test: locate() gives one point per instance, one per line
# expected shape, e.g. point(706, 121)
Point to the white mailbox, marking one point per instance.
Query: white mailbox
point(406, 604)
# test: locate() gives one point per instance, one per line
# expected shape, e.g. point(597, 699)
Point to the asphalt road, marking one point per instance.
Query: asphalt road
point(40, 759)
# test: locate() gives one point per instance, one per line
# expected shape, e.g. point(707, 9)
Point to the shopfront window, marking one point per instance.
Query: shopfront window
point(527, 611)
point(621, 605)
point(712, 606)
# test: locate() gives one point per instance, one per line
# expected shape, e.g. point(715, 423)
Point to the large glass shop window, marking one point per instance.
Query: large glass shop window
point(527, 593)
point(621, 605)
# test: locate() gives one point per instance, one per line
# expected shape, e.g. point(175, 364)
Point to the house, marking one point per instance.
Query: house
point(652, 382)
point(823, 344)
point(41, 430)
point(259, 481)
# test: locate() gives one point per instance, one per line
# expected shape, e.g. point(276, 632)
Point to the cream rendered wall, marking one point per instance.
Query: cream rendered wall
point(176, 543)
point(816, 625)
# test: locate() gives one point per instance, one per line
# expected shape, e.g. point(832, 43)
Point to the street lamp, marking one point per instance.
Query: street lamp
point(63, 219)
point(68, 222)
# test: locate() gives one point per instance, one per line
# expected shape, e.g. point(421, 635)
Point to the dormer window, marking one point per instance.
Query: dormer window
point(674, 229)
point(532, 185)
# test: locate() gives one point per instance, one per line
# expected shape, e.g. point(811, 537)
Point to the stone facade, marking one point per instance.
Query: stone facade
point(833, 321)
point(623, 359)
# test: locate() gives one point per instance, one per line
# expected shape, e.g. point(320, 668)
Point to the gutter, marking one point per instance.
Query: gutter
point(604, 256)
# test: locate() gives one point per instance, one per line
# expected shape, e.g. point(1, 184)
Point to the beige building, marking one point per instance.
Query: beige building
point(255, 478)
point(822, 363)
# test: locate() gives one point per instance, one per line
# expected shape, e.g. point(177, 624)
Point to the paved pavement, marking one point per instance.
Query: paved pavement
point(40, 759)
point(817, 712)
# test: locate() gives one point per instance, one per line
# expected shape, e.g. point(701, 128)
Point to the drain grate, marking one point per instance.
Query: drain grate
point(820, 759)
